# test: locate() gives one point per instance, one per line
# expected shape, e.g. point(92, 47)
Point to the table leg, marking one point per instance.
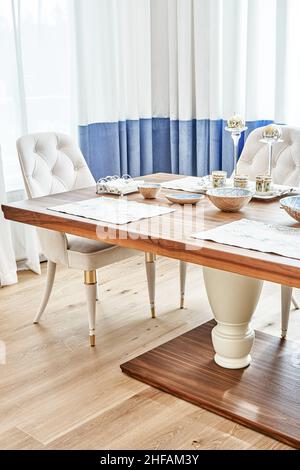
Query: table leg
point(233, 299)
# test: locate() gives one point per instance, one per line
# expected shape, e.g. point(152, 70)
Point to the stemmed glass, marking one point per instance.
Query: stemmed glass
point(270, 141)
point(235, 135)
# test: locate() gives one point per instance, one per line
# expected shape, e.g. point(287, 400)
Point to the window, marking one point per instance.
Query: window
point(35, 74)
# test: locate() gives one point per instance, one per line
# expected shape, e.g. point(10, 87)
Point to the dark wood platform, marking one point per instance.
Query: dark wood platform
point(265, 396)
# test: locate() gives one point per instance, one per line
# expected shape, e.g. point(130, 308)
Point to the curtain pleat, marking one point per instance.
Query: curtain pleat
point(144, 146)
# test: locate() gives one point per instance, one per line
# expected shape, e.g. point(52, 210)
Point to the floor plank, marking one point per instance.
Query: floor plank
point(15, 439)
point(54, 388)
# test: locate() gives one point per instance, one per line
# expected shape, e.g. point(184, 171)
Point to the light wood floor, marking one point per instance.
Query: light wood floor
point(57, 393)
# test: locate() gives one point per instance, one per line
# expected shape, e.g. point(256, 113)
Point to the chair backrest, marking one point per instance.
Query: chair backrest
point(52, 163)
point(286, 157)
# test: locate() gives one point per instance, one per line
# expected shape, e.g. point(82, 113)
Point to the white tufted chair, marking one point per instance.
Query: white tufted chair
point(52, 163)
point(286, 170)
point(286, 157)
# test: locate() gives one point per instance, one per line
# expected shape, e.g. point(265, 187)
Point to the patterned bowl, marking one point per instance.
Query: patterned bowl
point(149, 190)
point(291, 205)
point(229, 199)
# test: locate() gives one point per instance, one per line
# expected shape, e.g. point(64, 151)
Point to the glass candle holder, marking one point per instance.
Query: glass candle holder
point(271, 135)
point(236, 133)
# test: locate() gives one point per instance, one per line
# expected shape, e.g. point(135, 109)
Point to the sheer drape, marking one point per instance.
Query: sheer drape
point(8, 266)
point(35, 92)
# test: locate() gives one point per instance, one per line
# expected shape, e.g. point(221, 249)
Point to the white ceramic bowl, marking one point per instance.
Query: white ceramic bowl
point(229, 199)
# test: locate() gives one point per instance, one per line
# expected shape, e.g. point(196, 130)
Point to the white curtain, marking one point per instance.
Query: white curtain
point(214, 57)
point(36, 76)
point(114, 59)
point(187, 59)
point(8, 267)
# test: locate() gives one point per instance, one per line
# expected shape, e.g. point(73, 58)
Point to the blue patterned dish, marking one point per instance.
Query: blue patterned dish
point(184, 198)
point(291, 205)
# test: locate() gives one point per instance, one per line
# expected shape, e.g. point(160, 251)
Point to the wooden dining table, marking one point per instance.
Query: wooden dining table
point(233, 276)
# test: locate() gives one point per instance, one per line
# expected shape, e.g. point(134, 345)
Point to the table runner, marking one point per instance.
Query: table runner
point(267, 238)
point(200, 184)
point(110, 210)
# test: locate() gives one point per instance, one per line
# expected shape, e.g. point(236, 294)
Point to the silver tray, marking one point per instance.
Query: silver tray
point(269, 196)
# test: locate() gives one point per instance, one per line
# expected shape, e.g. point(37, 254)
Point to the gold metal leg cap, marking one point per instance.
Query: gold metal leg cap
point(92, 340)
point(182, 302)
point(153, 313)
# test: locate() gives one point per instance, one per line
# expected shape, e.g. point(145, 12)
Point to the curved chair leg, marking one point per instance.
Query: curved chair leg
point(150, 259)
point(286, 298)
point(182, 270)
point(51, 269)
point(295, 303)
point(90, 281)
point(98, 287)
